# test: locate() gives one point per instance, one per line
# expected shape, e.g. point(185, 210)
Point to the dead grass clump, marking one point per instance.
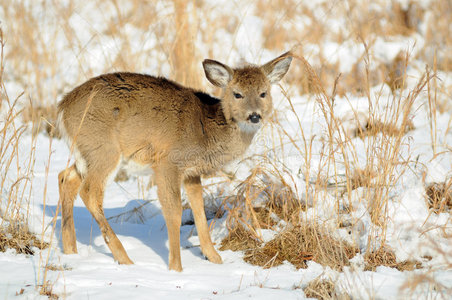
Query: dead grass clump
point(299, 244)
point(239, 239)
point(362, 177)
point(305, 77)
point(320, 289)
point(282, 201)
point(323, 289)
point(439, 196)
point(20, 239)
point(438, 36)
point(395, 72)
point(373, 128)
point(358, 79)
point(405, 19)
point(265, 217)
point(384, 256)
point(276, 197)
point(47, 290)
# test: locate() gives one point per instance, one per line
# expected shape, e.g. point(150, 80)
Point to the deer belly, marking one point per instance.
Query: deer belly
point(134, 168)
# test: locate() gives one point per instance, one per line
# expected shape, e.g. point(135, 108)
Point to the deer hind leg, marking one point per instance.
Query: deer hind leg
point(69, 181)
point(193, 189)
point(92, 194)
point(168, 182)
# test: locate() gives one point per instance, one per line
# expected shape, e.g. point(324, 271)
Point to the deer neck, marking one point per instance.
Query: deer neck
point(231, 134)
point(221, 130)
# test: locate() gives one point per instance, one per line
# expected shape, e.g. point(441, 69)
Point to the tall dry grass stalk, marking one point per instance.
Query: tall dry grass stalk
point(16, 169)
point(16, 166)
point(183, 58)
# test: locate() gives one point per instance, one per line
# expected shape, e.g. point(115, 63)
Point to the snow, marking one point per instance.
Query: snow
point(413, 231)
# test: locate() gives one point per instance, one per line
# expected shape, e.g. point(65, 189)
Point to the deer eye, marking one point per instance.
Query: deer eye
point(238, 96)
point(263, 95)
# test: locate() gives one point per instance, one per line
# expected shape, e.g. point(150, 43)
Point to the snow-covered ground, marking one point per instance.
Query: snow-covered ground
point(412, 231)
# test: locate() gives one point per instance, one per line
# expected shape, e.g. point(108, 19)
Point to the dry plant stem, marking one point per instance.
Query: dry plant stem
point(307, 153)
point(29, 170)
point(326, 105)
point(46, 262)
point(432, 105)
point(183, 58)
point(11, 134)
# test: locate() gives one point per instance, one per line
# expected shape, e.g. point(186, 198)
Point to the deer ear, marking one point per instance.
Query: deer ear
point(278, 67)
point(217, 73)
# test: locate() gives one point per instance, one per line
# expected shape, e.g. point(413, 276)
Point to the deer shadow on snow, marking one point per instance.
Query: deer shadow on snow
point(138, 219)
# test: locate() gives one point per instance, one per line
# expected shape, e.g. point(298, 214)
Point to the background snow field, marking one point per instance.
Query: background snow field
point(344, 194)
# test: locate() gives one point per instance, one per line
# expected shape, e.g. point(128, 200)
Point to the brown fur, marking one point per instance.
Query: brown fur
point(179, 133)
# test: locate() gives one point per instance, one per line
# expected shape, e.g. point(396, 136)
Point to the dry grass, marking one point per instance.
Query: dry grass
point(269, 187)
point(43, 118)
point(383, 150)
point(324, 289)
point(384, 256)
point(16, 178)
point(300, 244)
point(297, 243)
point(320, 289)
point(239, 239)
point(290, 22)
point(438, 36)
point(20, 239)
point(439, 196)
point(362, 177)
point(388, 129)
point(300, 241)
point(47, 290)
point(15, 190)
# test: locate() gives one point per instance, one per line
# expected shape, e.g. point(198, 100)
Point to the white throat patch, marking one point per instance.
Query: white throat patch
point(248, 127)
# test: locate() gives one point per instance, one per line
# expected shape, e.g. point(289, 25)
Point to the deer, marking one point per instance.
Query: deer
point(136, 121)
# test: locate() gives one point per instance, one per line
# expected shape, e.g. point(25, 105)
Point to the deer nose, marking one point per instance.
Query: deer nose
point(254, 117)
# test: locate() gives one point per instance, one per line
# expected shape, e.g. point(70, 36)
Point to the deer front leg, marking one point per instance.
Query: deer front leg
point(168, 181)
point(193, 188)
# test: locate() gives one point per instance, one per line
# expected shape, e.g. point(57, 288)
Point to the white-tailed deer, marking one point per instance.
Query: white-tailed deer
point(179, 133)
